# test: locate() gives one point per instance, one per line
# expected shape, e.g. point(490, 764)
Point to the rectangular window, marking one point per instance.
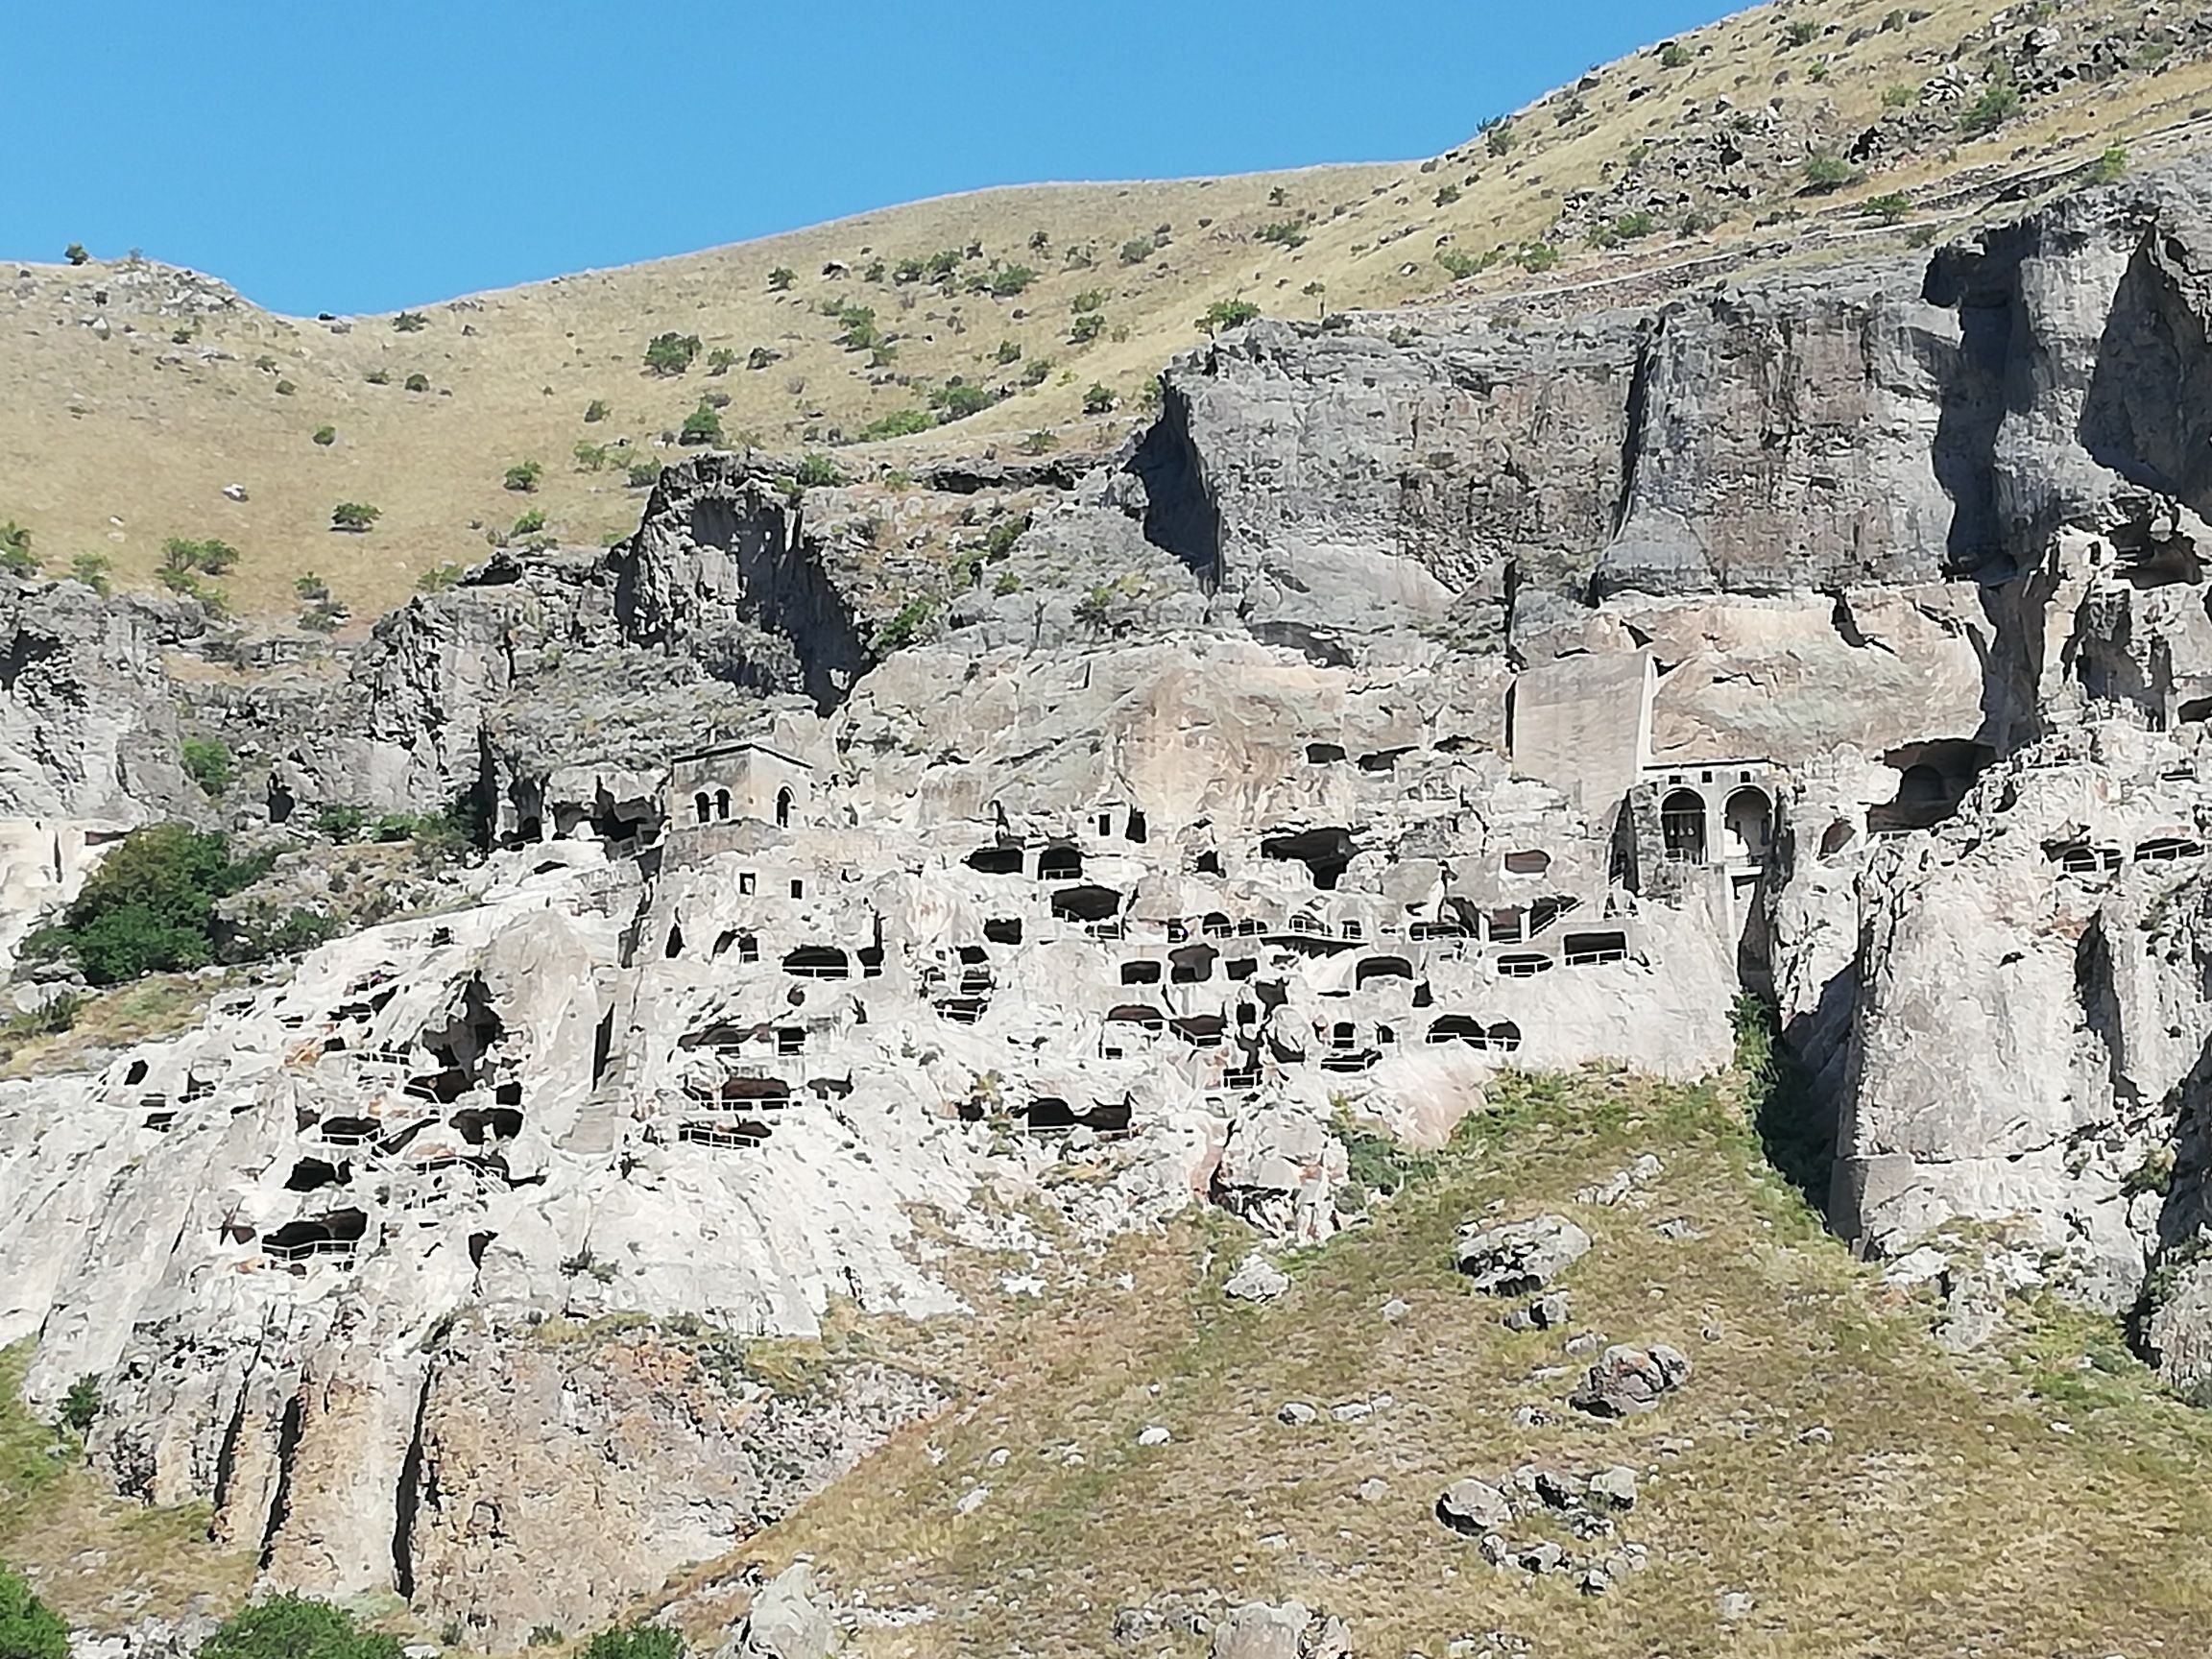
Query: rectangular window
point(798, 888)
point(745, 882)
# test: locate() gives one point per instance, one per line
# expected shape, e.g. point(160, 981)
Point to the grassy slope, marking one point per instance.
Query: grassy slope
point(95, 431)
point(1949, 1514)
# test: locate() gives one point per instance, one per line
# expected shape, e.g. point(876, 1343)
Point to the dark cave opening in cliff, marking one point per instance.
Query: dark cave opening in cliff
point(1326, 854)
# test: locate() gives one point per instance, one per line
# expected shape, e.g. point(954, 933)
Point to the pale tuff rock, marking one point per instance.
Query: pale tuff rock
point(1474, 1508)
point(785, 1622)
point(1256, 1280)
point(1521, 1256)
point(1857, 652)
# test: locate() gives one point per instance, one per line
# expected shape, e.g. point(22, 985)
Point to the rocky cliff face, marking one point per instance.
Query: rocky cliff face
point(1424, 694)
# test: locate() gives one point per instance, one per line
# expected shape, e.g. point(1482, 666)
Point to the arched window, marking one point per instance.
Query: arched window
point(721, 804)
point(783, 809)
point(1682, 826)
point(702, 806)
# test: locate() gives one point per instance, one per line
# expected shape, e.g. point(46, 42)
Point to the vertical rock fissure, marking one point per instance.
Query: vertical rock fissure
point(409, 1496)
point(287, 1454)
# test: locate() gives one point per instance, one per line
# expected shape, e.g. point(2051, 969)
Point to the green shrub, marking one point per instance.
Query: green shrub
point(1498, 136)
point(15, 555)
point(92, 569)
point(1008, 583)
point(961, 398)
point(523, 477)
point(591, 457)
point(671, 353)
point(1536, 256)
point(76, 255)
point(595, 411)
point(1826, 172)
point(781, 279)
point(1227, 314)
point(1899, 95)
point(378, 376)
point(1087, 327)
point(1675, 56)
point(1447, 195)
point(1991, 110)
point(1038, 370)
point(323, 617)
point(49, 1019)
point(440, 578)
point(80, 1411)
point(817, 472)
point(326, 436)
point(1099, 399)
point(899, 423)
point(1459, 264)
point(904, 627)
point(418, 383)
point(1009, 280)
point(410, 322)
point(149, 907)
point(703, 425)
point(1137, 250)
point(1628, 227)
point(30, 1629)
point(1040, 442)
point(859, 332)
point(208, 557)
point(294, 1628)
point(530, 523)
point(2109, 166)
point(285, 388)
point(1009, 351)
point(340, 823)
point(1802, 33)
point(1285, 233)
point(207, 763)
point(182, 583)
point(1892, 208)
point(355, 517)
point(637, 474)
point(636, 1642)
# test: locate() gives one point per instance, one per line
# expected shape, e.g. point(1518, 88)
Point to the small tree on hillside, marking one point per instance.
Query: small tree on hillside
point(1227, 314)
point(670, 354)
point(781, 279)
point(15, 555)
point(29, 1629)
point(354, 516)
point(76, 254)
point(410, 322)
point(523, 477)
point(294, 1628)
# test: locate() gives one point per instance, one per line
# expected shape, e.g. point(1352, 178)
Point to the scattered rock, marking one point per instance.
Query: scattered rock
point(1396, 1310)
point(1616, 1486)
point(1628, 1382)
point(1583, 1344)
point(1256, 1280)
point(1296, 1414)
point(1473, 1507)
point(785, 1621)
point(1735, 1604)
point(1372, 1490)
point(1154, 1434)
point(1521, 1256)
point(1259, 1630)
point(1620, 1187)
point(1545, 1313)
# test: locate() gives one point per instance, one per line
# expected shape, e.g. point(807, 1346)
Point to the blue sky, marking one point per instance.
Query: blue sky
point(330, 155)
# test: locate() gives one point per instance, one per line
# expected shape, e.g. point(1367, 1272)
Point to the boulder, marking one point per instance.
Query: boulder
point(1628, 1382)
point(786, 1621)
point(1520, 1256)
point(1256, 1280)
point(1473, 1507)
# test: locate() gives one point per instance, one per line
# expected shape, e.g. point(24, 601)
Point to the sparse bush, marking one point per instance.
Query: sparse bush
point(378, 376)
point(310, 586)
point(781, 279)
point(410, 322)
point(859, 331)
point(1534, 257)
point(208, 762)
point(15, 555)
point(1099, 399)
point(1089, 300)
point(1628, 227)
point(670, 354)
point(285, 388)
point(2109, 166)
point(703, 425)
point(28, 1628)
point(294, 1628)
point(1284, 233)
point(1227, 314)
point(907, 626)
point(1991, 110)
point(1008, 583)
point(1498, 136)
point(92, 569)
point(1009, 351)
point(1087, 327)
point(595, 411)
point(1826, 172)
point(1137, 251)
point(1459, 264)
point(208, 557)
point(1892, 208)
point(641, 472)
point(80, 1411)
point(1040, 442)
point(899, 423)
point(1447, 195)
point(1801, 32)
point(76, 255)
point(326, 436)
point(323, 617)
point(439, 578)
point(523, 477)
point(418, 382)
point(636, 1642)
point(530, 523)
point(817, 472)
point(1009, 280)
point(149, 907)
point(1899, 95)
point(1675, 56)
point(354, 516)
point(591, 457)
point(961, 398)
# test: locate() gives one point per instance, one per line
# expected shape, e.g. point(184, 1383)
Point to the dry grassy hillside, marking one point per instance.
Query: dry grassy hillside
point(132, 396)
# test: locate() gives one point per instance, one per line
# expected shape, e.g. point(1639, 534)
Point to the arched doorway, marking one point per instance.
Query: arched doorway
point(1749, 821)
point(1682, 826)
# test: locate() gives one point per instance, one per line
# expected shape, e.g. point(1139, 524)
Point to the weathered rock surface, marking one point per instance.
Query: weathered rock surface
point(1628, 1382)
point(1521, 1256)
